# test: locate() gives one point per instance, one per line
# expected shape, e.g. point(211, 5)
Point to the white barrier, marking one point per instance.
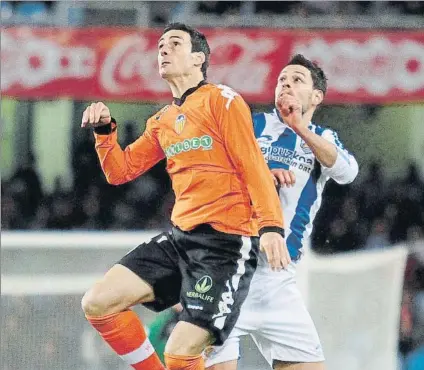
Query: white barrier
point(354, 298)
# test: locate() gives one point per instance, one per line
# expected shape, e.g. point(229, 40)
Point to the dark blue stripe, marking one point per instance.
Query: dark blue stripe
point(284, 149)
point(319, 130)
point(337, 140)
point(302, 216)
point(258, 123)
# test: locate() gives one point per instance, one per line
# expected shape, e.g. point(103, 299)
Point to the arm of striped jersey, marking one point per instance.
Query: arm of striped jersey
point(345, 169)
point(121, 166)
point(235, 123)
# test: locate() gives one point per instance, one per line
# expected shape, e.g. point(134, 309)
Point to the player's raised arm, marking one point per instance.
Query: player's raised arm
point(335, 160)
point(120, 166)
point(236, 125)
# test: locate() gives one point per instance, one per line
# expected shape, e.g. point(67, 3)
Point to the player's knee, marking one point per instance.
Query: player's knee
point(95, 303)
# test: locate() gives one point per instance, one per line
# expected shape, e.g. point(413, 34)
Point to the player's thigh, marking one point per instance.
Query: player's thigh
point(188, 339)
point(223, 357)
point(280, 365)
point(148, 274)
point(119, 289)
point(283, 328)
point(216, 280)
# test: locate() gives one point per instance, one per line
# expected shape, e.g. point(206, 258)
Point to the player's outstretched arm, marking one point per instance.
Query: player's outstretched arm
point(236, 126)
point(120, 166)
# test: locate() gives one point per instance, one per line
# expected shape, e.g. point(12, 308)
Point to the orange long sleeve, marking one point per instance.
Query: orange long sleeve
point(121, 166)
point(236, 126)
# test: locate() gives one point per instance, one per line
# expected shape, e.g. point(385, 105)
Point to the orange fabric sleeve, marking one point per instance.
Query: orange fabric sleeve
point(121, 166)
point(235, 121)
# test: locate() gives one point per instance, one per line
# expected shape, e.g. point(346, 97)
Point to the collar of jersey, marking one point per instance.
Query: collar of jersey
point(277, 113)
point(180, 101)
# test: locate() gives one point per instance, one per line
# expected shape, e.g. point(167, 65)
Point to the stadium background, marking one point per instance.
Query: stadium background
point(58, 56)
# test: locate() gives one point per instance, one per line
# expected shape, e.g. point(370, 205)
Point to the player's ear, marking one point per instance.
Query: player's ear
point(317, 97)
point(199, 58)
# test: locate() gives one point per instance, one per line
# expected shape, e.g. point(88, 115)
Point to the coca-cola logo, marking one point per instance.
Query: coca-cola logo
point(30, 61)
point(131, 66)
point(377, 65)
point(238, 61)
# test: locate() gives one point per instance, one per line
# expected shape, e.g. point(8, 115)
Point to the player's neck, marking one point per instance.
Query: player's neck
point(180, 85)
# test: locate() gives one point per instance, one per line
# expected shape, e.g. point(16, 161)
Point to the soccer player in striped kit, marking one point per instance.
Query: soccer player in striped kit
point(302, 157)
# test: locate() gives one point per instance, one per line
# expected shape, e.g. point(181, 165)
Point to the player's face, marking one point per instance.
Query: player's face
point(296, 80)
point(175, 58)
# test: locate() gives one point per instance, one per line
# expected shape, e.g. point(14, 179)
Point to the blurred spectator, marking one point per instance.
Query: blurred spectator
point(85, 165)
point(407, 194)
point(408, 7)
point(6, 10)
point(11, 218)
point(379, 235)
point(372, 192)
point(32, 9)
point(219, 7)
point(415, 360)
point(25, 187)
point(277, 7)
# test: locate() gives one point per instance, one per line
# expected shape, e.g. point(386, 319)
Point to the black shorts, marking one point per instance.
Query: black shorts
point(208, 271)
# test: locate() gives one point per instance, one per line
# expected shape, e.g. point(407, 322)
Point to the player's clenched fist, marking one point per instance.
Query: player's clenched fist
point(287, 104)
point(291, 110)
point(275, 248)
point(96, 114)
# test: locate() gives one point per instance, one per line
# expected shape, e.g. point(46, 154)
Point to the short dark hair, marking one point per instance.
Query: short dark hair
point(198, 42)
point(318, 76)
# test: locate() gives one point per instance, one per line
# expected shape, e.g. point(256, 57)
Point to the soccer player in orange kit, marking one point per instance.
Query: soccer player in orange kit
point(225, 198)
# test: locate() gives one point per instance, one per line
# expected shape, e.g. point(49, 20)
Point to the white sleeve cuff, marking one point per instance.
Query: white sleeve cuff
point(344, 170)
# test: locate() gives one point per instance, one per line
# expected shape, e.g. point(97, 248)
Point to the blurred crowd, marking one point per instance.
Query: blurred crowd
point(92, 204)
point(308, 8)
point(44, 12)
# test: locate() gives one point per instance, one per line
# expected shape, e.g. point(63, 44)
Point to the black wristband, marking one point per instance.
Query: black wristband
point(272, 229)
point(106, 129)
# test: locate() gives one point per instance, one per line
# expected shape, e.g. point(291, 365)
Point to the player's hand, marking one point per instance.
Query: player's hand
point(283, 177)
point(290, 109)
point(95, 115)
point(275, 248)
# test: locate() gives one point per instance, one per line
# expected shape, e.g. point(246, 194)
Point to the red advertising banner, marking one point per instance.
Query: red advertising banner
point(121, 64)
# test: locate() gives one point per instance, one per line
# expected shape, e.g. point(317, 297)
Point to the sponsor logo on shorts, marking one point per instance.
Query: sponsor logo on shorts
point(203, 285)
point(205, 143)
point(194, 307)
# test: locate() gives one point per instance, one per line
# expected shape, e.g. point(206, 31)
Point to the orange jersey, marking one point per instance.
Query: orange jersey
point(218, 172)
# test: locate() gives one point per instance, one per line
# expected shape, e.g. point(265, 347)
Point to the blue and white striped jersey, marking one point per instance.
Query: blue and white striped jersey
point(283, 148)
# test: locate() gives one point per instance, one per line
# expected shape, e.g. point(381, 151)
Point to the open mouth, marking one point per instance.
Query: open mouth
point(164, 64)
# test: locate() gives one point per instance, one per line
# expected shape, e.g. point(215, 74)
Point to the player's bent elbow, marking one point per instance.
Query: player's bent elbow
point(349, 175)
point(345, 180)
